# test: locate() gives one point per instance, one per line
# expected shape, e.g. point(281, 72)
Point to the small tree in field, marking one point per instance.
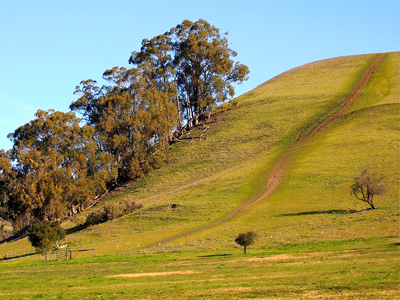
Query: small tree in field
point(368, 185)
point(246, 239)
point(44, 234)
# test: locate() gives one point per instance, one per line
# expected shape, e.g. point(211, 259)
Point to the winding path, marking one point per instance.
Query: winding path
point(277, 172)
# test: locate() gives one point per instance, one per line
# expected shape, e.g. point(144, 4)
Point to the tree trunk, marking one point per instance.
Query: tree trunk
point(245, 249)
point(371, 204)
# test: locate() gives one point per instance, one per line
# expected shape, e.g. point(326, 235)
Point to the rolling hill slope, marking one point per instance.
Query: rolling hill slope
point(218, 167)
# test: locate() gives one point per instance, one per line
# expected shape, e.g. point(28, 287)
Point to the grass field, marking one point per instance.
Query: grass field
point(321, 270)
point(309, 244)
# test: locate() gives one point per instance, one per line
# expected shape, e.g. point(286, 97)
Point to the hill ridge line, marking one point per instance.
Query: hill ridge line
point(277, 172)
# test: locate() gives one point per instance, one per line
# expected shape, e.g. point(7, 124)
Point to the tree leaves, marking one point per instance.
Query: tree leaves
point(54, 166)
point(194, 61)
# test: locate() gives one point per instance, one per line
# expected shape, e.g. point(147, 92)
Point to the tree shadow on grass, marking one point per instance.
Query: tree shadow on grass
point(5, 257)
point(317, 212)
point(76, 228)
point(214, 255)
point(15, 237)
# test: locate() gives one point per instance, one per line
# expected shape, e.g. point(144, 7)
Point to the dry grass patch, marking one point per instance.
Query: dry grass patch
point(134, 275)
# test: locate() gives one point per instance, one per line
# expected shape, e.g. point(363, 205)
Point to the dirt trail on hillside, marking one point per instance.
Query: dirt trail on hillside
point(279, 169)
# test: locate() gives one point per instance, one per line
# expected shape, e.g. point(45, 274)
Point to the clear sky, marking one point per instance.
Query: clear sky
point(48, 47)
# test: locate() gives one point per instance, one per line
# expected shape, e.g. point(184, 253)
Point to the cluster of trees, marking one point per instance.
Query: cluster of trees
point(60, 163)
point(54, 168)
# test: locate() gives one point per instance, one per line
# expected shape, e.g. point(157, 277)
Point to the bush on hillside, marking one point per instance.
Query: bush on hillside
point(246, 239)
point(44, 234)
point(111, 211)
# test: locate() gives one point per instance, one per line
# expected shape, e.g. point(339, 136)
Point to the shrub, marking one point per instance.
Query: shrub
point(95, 217)
point(111, 211)
point(246, 239)
point(44, 234)
point(130, 206)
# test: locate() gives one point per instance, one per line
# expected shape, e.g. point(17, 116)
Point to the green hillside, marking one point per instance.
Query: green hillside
point(221, 165)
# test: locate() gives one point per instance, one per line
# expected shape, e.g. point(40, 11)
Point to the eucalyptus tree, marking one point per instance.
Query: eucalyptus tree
point(133, 118)
point(181, 74)
point(53, 169)
point(194, 60)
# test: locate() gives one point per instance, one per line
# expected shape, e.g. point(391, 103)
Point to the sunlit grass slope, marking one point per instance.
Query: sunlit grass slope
point(220, 165)
point(312, 203)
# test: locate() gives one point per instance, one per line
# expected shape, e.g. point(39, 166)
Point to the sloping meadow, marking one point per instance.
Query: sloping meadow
point(221, 164)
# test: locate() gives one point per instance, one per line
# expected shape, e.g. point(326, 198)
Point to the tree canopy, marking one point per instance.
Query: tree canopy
point(53, 168)
point(194, 61)
point(44, 234)
point(246, 239)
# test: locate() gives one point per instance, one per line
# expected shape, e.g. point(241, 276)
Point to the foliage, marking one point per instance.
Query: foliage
point(368, 185)
point(180, 74)
point(133, 119)
point(246, 239)
point(54, 168)
point(111, 211)
point(194, 61)
point(44, 234)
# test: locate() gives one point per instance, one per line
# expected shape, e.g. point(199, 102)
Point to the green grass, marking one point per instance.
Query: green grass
point(226, 163)
point(318, 270)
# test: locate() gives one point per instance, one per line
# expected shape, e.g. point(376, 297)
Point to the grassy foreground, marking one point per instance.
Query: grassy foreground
point(354, 269)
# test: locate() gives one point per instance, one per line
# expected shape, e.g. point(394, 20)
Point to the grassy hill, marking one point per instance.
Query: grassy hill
point(218, 167)
point(222, 164)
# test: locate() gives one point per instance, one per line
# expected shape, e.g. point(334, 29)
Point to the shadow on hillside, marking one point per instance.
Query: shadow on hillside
point(317, 212)
point(76, 229)
point(15, 237)
point(214, 255)
point(17, 256)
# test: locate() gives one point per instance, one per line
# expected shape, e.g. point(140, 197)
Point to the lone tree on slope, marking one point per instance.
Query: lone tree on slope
point(44, 234)
point(246, 239)
point(368, 185)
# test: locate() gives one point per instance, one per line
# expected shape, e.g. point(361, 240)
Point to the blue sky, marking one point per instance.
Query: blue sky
point(48, 47)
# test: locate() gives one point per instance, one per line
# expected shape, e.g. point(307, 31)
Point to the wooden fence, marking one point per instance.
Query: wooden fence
point(69, 253)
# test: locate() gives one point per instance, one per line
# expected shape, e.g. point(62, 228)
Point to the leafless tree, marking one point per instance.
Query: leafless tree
point(367, 185)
